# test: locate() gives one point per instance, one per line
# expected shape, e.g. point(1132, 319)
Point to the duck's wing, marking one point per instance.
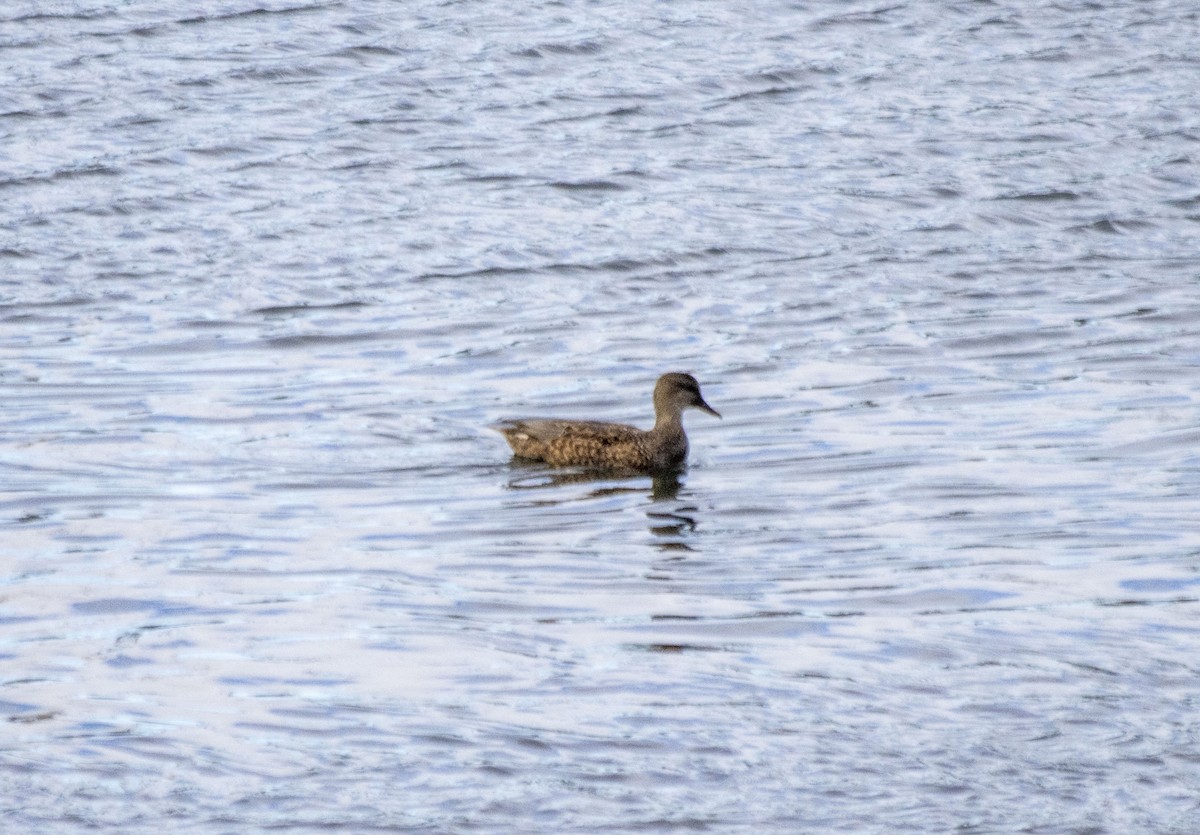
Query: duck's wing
point(580, 443)
point(546, 430)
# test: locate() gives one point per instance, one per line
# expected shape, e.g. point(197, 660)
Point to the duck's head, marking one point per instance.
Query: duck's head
point(676, 391)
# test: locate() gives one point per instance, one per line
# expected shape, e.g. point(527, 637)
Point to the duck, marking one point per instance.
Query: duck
point(614, 446)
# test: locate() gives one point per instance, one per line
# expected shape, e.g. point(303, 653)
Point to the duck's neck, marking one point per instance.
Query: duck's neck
point(668, 422)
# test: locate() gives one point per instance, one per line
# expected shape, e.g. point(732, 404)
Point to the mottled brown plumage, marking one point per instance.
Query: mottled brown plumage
point(590, 443)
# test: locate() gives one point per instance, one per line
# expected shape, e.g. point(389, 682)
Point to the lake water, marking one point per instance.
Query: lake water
point(268, 270)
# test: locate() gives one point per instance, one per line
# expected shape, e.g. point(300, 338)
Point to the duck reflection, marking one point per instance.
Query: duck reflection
point(671, 526)
point(663, 486)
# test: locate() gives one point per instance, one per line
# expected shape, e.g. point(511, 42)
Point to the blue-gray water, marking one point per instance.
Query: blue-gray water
point(268, 270)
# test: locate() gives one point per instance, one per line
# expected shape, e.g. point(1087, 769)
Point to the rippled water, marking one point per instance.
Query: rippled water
point(267, 271)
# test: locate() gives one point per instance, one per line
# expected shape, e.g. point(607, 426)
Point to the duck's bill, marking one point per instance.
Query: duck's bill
point(704, 407)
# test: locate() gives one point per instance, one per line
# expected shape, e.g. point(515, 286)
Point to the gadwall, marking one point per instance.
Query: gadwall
point(618, 446)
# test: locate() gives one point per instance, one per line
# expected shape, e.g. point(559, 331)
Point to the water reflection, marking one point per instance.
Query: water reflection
point(663, 486)
point(670, 528)
point(673, 528)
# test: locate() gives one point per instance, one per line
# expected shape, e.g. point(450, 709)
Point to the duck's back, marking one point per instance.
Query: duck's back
point(585, 443)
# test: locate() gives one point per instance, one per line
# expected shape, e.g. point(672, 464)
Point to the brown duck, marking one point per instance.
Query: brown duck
point(617, 446)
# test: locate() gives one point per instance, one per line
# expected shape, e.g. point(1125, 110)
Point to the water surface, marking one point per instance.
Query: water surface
point(268, 271)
